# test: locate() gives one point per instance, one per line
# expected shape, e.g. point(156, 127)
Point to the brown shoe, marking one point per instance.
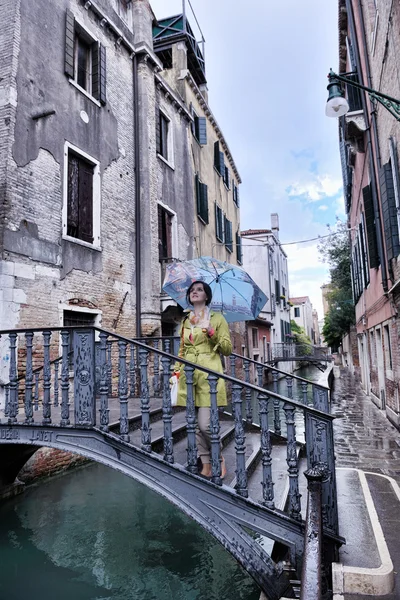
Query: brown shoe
point(206, 470)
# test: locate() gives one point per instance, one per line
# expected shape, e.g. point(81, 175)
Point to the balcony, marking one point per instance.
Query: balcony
point(169, 31)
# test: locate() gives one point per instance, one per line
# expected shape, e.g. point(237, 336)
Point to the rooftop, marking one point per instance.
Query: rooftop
point(169, 31)
point(299, 300)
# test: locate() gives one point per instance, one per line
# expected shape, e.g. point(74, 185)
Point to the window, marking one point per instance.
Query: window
point(201, 199)
point(372, 348)
point(162, 135)
point(254, 337)
point(219, 160)
point(370, 227)
point(387, 180)
point(228, 234)
point(164, 234)
point(227, 177)
point(80, 198)
point(199, 128)
point(85, 59)
point(388, 348)
point(239, 256)
point(277, 291)
point(235, 194)
point(219, 227)
point(396, 177)
point(296, 312)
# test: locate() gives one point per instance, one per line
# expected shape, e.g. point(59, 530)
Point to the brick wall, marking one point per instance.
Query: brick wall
point(49, 461)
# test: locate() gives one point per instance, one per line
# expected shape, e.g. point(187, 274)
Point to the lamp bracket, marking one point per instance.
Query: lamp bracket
point(391, 104)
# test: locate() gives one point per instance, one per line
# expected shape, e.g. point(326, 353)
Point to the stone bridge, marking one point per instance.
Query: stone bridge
point(92, 392)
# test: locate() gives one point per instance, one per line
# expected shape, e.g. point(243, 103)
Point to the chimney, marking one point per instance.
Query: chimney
point(275, 224)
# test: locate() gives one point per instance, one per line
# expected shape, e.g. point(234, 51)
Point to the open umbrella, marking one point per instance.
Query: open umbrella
point(235, 294)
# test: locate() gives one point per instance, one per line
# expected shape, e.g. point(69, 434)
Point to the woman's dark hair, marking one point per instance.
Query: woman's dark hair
point(206, 288)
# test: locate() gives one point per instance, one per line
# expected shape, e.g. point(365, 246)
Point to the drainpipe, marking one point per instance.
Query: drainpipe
point(378, 223)
point(135, 83)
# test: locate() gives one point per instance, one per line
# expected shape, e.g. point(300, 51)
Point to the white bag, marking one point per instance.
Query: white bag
point(174, 390)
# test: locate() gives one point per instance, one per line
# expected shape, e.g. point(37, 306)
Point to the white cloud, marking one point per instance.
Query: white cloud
point(323, 207)
point(320, 187)
point(340, 210)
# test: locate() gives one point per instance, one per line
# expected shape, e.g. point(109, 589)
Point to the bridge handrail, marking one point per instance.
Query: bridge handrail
point(173, 357)
point(234, 380)
point(285, 373)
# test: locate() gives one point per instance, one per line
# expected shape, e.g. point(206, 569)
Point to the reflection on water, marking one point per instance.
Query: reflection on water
point(95, 534)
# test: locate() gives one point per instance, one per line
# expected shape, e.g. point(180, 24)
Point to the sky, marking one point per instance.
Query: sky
point(266, 67)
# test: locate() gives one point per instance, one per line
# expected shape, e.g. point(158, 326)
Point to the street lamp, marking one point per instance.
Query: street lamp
point(337, 105)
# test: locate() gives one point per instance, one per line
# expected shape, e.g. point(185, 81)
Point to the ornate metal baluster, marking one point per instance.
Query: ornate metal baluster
point(84, 377)
point(109, 368)
point(46, 378)
point(266, 448)
point(132, 372)
point(104, 410)
point(7, 400)
point(65, 378)
point(13, 402)
point(247, 393)
point(240, 442)
point(191, 422)
point(215, 432)
point(277, 416)
point(233, 365)
point(260, 373)
point(167, 410)
point(37, 375)
point(28, 379)
point(304, 391)
point(123, 393)
point(145, 400)
point(156, 366)
point(321, 400)
point(293, 466)
point(289, 386)
point(56, 383)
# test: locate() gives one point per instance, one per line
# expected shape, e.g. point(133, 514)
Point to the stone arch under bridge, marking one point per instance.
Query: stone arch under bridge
point(217, 509)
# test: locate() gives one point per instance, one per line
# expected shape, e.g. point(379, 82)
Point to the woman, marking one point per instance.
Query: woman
point(204, 336)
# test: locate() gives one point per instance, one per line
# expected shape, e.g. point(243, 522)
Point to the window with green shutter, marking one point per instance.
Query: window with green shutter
point(227, 177)
point(389, 211)
point(201, 200)
point(219, 225)
point(228, 234)
point(219, 163)
point(235, 191)
point(370, 227)
point(238, 248)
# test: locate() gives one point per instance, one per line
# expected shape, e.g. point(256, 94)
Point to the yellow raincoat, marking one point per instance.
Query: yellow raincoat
point(204, 351)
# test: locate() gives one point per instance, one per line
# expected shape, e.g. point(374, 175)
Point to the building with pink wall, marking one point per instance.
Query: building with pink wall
point(369, 47)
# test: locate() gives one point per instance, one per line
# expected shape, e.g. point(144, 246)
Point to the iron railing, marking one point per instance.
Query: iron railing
point(114, 373)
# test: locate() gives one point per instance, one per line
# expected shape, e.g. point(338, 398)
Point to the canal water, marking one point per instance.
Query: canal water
point(95, 534)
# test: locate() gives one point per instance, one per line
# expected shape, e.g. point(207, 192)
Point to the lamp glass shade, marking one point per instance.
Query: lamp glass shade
point(336, 106)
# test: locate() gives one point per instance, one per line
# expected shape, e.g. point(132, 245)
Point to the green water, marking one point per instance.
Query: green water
point(95, 534)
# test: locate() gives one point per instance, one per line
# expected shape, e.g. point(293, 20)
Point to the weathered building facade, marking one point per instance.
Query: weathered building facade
point(84, 189)
point(215, 178)
point(266, 261)
point(369, 40)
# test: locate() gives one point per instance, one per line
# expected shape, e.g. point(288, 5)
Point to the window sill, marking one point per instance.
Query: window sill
point(228, 189)
point(202, 220)
point(69, 238)
point(216, 170)
point(170, 165)
point(84, 92)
